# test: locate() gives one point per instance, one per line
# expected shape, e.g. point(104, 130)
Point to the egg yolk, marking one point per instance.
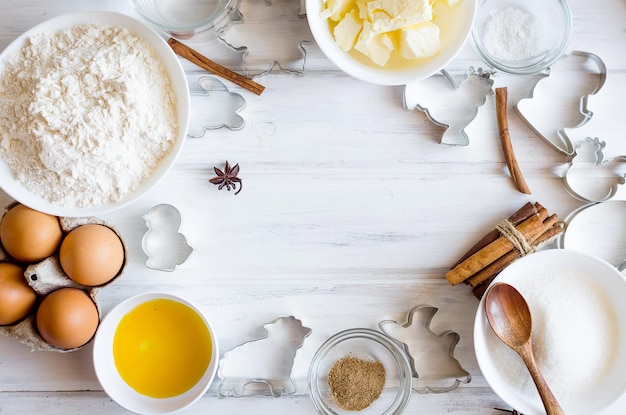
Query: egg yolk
point(162, 348)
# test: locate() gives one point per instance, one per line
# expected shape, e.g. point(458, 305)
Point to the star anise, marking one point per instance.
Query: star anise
point(227, 178)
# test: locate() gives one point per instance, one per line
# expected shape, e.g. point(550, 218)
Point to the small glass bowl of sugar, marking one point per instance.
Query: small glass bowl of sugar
point(521, 37)
point(183, 19)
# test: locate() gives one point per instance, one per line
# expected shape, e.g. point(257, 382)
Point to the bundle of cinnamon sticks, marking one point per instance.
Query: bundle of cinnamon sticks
point(522, 233)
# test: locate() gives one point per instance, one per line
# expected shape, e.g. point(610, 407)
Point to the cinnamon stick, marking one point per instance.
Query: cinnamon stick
point(502, 262)
point(202, 61)
point(483, 278)
point(529, 229)
point(516, 218)
point(505, 140)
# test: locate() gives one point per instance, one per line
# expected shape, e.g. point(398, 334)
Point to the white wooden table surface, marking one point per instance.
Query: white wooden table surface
point(351, 213)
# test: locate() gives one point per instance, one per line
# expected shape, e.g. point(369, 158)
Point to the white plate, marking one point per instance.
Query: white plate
point(179, 83)
point(587, 270)
point(598, 229)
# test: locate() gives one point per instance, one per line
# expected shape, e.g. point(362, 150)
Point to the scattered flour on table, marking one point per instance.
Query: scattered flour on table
point(86, 114)
point(511, 34)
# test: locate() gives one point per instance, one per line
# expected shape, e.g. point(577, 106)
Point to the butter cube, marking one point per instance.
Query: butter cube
point(450, 3)
point(419, 41)
point(362, 7)
point(347, 30)
point(336, 9)
point(390, 15)
point(377, 46)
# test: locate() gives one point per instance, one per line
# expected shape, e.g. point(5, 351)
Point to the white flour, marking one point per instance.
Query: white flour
point(511, 34)
point(86, 114)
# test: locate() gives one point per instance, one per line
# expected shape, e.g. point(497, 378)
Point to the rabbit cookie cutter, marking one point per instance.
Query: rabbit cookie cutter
point(435, 369)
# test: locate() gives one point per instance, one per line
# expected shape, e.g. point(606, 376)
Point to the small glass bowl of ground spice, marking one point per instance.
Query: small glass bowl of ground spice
point(360, 371)
point(521, 37)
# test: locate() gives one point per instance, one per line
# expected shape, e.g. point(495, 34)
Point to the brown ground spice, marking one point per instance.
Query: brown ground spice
point(356, 383)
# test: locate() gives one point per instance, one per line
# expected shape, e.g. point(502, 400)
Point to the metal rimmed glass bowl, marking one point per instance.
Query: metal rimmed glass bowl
point(521, 37)
point(184, 19)
point(369, 345)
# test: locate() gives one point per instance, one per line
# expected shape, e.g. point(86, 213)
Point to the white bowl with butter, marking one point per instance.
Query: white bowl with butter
point(391, 42)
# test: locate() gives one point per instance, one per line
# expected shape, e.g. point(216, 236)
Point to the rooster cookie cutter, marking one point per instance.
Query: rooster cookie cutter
point(453, 107)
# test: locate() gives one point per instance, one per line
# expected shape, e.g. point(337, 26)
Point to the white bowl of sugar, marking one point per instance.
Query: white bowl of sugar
point(579, 333)
point(521, 37)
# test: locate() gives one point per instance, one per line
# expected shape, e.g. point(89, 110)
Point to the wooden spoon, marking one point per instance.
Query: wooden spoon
point(509, 317)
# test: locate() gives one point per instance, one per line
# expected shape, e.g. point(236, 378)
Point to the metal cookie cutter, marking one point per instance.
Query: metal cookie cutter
point(164, 245)
point(213, 106)
point(591, 178)
point(569, 83)
point(247, 32)
point(435, 369)
point(264, 363)
point(450, 103)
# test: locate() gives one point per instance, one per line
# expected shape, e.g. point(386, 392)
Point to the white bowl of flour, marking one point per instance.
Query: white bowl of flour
point(94, 110)
point(579, 334)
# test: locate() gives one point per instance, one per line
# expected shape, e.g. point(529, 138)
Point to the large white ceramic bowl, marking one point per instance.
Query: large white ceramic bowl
point(590, 280)
point(16, 190)
point(455, 24)
point(118, 389)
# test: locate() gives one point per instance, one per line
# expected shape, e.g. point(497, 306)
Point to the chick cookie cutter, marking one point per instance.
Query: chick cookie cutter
point(163, 243)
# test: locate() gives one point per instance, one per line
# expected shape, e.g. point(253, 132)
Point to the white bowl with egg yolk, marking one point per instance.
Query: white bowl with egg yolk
point(155, 353)
point(454, 23)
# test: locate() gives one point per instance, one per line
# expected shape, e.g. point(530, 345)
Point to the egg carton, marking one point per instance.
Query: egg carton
point(47, 276)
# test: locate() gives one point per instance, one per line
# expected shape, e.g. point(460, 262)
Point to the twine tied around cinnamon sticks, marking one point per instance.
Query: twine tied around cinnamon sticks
point(526, 231)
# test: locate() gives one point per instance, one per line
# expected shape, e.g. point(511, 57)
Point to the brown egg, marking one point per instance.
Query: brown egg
point(91, 254)
point(29, 235)
point(17, 298)
point(67, 318)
